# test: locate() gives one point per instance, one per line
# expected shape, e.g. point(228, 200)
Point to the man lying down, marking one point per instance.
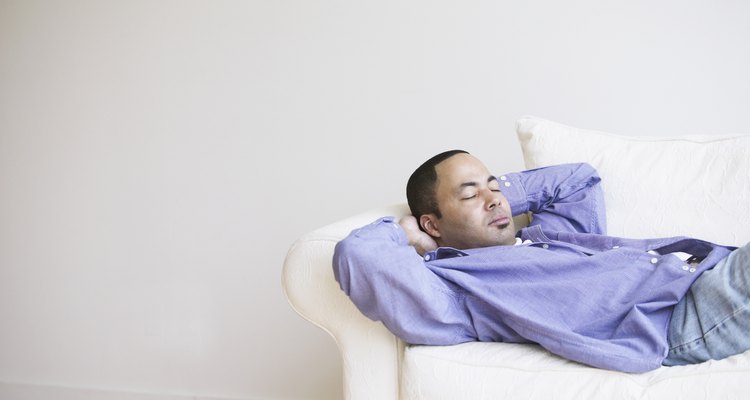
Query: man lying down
point(456, 270)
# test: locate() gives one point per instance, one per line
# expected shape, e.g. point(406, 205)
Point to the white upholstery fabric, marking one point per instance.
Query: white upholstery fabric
point(697, 186)
point(511, 371)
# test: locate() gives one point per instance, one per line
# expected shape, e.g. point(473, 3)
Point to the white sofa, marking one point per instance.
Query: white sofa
point(654, 186)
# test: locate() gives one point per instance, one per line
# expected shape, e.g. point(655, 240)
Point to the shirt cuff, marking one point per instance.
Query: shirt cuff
point(514, 192)
point(394, 229)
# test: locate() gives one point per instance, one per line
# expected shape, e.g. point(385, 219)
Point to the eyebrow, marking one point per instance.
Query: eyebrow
point(473, 184)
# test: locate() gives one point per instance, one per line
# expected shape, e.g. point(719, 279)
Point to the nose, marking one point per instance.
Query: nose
point(492, 199)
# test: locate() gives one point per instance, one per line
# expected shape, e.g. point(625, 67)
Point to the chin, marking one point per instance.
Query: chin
point(506, 241)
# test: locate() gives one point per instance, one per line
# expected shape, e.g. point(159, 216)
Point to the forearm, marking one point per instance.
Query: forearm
point(562, 197)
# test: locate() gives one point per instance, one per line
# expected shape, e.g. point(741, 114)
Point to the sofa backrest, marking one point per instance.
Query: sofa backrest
point(693, 185)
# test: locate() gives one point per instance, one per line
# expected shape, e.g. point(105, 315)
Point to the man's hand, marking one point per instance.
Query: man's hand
point(421, 241)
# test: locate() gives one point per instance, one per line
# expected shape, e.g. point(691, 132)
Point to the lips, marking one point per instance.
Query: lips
point(500, 221)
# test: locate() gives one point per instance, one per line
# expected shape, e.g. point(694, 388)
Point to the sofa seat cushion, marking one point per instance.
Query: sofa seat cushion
point(511, 371)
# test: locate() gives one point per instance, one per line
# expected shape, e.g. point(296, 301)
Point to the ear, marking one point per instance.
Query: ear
point(429, 223)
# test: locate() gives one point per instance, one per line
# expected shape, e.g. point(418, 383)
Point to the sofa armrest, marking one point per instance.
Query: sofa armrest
point(370, 354)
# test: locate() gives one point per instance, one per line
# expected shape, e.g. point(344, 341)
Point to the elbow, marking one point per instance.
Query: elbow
point(342, 262)
point(587, 175)
point(351, 259)
point(587, 169)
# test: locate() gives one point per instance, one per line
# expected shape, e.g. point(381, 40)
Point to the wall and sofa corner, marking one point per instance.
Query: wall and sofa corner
point(654, 186)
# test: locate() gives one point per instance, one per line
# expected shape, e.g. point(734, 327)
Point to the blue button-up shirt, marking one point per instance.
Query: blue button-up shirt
point(596, 299)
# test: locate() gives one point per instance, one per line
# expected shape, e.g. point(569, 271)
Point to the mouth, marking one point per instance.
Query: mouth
point(500, 221)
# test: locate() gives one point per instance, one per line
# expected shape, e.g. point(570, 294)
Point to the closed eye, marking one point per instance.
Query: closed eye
point(491, 180)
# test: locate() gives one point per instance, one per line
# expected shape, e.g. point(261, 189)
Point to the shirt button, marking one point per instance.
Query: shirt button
point(503, 178)
point(427, 257)
point(692, 269)
point(615, 247)
point(545, 246)
point(507, 184)
point(685, 268)
point(654, 260)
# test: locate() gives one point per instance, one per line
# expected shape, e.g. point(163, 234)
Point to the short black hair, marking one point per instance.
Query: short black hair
point(420, 189)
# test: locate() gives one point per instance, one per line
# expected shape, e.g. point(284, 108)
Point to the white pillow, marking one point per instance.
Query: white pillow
point(693, 185)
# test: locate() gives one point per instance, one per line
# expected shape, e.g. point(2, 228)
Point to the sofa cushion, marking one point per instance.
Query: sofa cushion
point(511, 371)
point(693, 185)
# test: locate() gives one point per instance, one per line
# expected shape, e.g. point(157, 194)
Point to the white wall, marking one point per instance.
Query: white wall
point(157, 158)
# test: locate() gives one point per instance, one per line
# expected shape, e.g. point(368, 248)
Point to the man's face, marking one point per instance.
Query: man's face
point(474, 211)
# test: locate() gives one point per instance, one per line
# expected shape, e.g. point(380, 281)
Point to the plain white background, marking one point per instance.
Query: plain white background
point(158, 158)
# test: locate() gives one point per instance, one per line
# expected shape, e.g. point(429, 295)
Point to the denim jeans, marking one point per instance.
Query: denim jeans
point(712, 321)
